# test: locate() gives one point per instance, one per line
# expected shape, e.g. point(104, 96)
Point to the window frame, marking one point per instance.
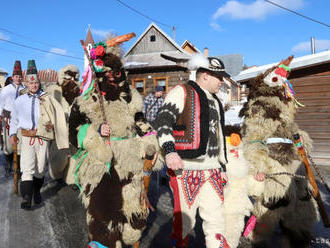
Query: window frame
point(158, 78)
point(137, 80)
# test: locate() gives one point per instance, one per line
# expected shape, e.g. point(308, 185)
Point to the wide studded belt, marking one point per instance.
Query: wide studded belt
point(29, 132)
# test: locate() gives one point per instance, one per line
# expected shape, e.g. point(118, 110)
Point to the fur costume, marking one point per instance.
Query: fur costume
point(285, 200)
point(65, 91)
point(240, 186)
point(111, 175)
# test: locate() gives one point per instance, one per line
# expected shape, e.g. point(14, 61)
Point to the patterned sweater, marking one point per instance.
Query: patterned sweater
point(215, 154)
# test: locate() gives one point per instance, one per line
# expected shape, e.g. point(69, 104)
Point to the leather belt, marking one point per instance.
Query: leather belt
point(29, 132)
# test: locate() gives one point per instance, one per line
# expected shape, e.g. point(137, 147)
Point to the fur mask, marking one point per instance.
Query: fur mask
point(68, 80)
point(112, 82)
point(274, 82)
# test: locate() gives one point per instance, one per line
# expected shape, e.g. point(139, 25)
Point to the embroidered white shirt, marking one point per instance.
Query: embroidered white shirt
point(25, 112)
point(8, 95)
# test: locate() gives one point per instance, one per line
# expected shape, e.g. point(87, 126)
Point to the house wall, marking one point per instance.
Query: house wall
point(2, 79)
point(312, 87)
point(173, 78)
point(147, 46)
point(188, 49)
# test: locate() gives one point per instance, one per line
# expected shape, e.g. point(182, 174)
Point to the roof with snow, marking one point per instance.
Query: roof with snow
point(297, 63)
point(3, 71)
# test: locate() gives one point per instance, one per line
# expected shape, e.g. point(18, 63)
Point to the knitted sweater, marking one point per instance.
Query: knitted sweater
point(214, 155)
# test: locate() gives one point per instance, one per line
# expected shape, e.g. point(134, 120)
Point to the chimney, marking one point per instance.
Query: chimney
point(313, 44)
point(206, 52)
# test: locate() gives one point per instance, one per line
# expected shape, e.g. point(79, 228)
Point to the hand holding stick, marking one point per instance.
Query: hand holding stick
point(311, 179)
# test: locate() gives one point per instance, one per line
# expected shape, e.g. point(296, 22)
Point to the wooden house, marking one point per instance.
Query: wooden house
point(3, 75)
point(147, 69)
point(310, 77)
point(189, 47)
point(46, 77)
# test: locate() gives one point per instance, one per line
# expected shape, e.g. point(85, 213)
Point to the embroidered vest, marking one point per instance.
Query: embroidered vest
point(191, 131)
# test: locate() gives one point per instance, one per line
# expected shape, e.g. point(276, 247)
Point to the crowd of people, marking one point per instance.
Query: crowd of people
point(103, 137)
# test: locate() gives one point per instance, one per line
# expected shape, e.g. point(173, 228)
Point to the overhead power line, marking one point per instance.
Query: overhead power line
point(296, 13)
point(140, 13)
point(26, 37)
point(40, 50)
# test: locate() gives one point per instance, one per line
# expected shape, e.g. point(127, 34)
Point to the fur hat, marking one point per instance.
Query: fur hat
point(17, 68)
point(31, 72)
point(61, 75)
point(214, 65)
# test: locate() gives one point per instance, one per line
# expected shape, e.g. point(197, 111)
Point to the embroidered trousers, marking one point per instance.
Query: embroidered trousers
point(34, 154)
point(201, 190)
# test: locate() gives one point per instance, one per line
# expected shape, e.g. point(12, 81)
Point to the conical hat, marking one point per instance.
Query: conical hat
point(17, 68)
point(31, 72)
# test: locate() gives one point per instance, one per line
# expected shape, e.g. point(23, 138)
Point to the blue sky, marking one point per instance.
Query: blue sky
point(259, 31)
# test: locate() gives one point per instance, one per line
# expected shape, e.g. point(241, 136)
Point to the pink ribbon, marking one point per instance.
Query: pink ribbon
point(250, 225)
point(150, 133)
point(87, 79)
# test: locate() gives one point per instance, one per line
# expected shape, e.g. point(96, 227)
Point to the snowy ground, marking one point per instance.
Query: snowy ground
point(60, 221)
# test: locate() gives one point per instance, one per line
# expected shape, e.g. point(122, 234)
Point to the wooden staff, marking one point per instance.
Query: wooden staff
point(311, 179)
point(15, 161)
point(1, 138)
point(96, 85)
point(149, 162)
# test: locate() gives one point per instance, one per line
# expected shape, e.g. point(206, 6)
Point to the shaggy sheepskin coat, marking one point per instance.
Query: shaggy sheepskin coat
point(285, 200)
point(237, 203)
point(65, 91)
point(114, 197)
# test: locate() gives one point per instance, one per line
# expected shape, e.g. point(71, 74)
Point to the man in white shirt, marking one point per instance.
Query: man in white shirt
point(39, 116)
point(7, 97)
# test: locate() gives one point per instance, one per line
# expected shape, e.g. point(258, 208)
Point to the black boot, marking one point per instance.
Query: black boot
point(37, 184)
point(26, 192)
point(8, 167)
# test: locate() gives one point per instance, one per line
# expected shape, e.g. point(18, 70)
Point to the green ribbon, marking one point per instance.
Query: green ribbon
point(82, 153)
point(288, 69)
point(77, 168)
point(102, 43)
point(89, 89)
point(299, 144)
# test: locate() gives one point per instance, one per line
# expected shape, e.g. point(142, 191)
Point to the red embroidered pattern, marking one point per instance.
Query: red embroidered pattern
point(216, 182)
point(193, 141)
point(223, 242)
point(192, 181)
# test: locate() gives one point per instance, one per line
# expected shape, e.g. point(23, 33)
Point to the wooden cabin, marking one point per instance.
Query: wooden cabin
point(147, 69)
point(310, 77)
point(3, 75)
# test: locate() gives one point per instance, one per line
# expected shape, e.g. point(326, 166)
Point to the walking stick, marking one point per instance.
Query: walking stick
point(96, 85)
point(1, 138)
point(15, 160)
point(311, 179)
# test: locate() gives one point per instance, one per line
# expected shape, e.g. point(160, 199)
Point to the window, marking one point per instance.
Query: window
point(139, 84)
point(161, 81)
point(153, 38)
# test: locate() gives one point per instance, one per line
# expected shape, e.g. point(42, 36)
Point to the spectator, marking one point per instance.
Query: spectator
point(152, 103)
